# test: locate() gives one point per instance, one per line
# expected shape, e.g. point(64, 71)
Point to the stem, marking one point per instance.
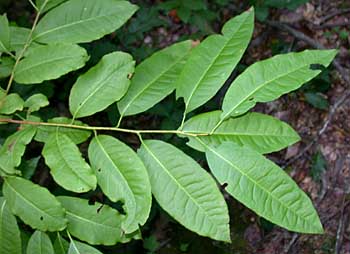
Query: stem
point(183, 120)
point(98, 128)
point(120, 120)
point(25, 47)
point(216, 126)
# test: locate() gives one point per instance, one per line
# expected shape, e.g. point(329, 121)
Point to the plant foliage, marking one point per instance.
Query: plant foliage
point(233, 139)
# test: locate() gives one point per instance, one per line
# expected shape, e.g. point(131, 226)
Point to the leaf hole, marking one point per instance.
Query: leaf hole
point(99, 170)
point(251, 99)
point(224, 185)
point(41, 218)
point(316, 67)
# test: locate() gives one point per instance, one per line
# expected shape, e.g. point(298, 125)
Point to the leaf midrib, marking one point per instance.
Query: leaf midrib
point(67, 164)
point(260, 87)
point(181, 187)
point(46, 62)
point(72, 24)
point(26, 201)
point(100, 83)
point(227, 41)
point(254, 182)
point(151, 83)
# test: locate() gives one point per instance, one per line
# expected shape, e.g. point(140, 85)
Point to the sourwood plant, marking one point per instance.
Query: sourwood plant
point(233, 139)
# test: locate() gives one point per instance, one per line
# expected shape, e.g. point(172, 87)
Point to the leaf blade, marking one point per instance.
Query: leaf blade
point(102, 85)
point(40, 243)
point(10, 239)
point(78, 21)
point(122, 176)
point(36, 67)
point(262, 133)
point(67, 166)
point(211, 63)
point(187, 186)
point(262, 186)
point(35, 205)
point(264, 80)
point(150, 85)
point(96, 224)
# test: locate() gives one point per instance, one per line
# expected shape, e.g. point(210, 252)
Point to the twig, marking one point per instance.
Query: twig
point(291, 243)
point(342, 71)
point(331, 25)
point(336, 13)
point(340, 229)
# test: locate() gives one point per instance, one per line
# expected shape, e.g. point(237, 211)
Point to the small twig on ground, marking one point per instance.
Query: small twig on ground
point(291, 242)
point(331, 25)
point(340, 230)
point(336, 13)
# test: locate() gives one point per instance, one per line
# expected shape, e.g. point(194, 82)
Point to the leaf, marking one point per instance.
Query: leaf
point(4, 34)
point(60, 245)
point(78, 21)
point(76, 247)
point(316, 100)
point(267, 80)
point(49, 5)
point(48, 62)
point(19, 36)
point(35, 102)
point(154, 79)
point(39, 243)
point(262, 186)
point(318, 166)
point(262, 133)
point(34, 204)
point(13, 149)
point(102, 85)
point(76, 135)
point(96, 224)
point(11, 103)
point(28, 167)
point(211, 63)
point(186, 191)
point(67, 166)
point(6, 66)
point(122, 176)
point(10, 239)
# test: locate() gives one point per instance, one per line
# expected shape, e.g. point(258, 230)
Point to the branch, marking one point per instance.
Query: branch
point(98, 128)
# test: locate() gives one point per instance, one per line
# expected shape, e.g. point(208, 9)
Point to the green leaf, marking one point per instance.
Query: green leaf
point(102, 85)
point(4, 34)
point(185, 190)
point(40, 243)
point(316, 100)
point(76, 247)
point(35, 102)
point(269, 79)
point(11, 103)
point(49, 5)
point(19, 36)
point(67, 166)
point(60, 245)
point(211, 63)
point(13, 149)
point(6, 66)
point(34, 204)
point(122, 176)
point(10, 239)
point(262, 186)
point(76, 135)
point(28, 167)
point(262, 133)
point(48, 62)
point(154, 79)
point(78, 21)
point(96, 224)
